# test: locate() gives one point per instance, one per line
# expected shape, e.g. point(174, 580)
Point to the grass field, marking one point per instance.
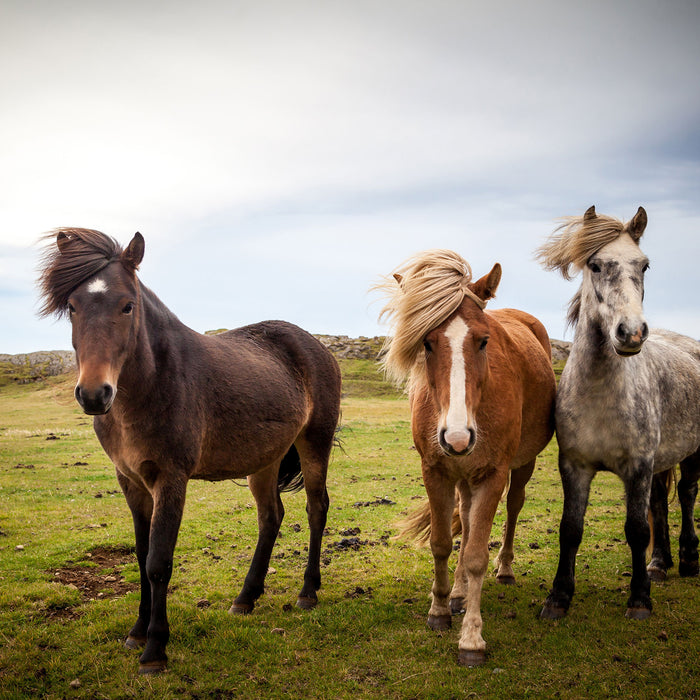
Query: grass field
point(68, 580)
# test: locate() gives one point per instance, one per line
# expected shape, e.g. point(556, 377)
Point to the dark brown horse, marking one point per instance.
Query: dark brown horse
point(482, 401)
point(170, 405)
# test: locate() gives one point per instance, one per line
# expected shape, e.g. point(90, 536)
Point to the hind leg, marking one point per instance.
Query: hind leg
point(314, 465)
point(661, 559)
point(514, 503)
point(687, 493)
point(263, 486)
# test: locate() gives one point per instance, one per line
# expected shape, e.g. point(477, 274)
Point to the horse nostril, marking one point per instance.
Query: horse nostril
point(645, 331)
point(621, 332)
point(77, 394)
point(107, 392)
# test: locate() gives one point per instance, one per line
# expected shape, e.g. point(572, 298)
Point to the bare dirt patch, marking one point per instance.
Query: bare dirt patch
point(97, 577)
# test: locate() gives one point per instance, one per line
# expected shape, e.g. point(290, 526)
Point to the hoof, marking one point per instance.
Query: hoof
point(552, 612)
point(688, 568)
point(306, 603)
point(507, 580)
point(240, 609)
point(637, 613)
point(134, 642)
point(439, 623)
point(456, 606)
point(656, 574)
point(471, 658)
point(151, 668)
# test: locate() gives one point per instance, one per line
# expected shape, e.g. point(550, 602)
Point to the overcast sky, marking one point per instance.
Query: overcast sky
point(279, 156)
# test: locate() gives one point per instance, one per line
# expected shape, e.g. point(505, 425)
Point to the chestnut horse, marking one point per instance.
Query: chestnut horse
point(627, 403)
point(482, 397)
point(170, 405)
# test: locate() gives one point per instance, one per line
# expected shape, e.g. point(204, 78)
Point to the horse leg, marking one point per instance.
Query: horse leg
point(576, 482)
point(638, 488)
point(484, 501)
point(168, 493)
point(314, 461)
point(514, 503)
point(140, 504)
point(661, 559)
point(459, 588)
point(441, 496)
point(687, 493)
point(263, 486)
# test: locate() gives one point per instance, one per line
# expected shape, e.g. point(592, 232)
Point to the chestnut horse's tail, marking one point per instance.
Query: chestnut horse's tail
point(290, 477)
point(416, 525)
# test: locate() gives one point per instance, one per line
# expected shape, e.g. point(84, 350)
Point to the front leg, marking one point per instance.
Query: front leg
point(168, 504)
point(140, 504)
point(638, 489)
point(576, 482)
point(441, 499)
point(484, 501)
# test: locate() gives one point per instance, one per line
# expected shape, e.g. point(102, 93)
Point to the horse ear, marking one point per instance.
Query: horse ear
point(485, 288)
point(133, 255)
point(62, 240)
point(636, 227)
point(398, 278)
point(590, 214)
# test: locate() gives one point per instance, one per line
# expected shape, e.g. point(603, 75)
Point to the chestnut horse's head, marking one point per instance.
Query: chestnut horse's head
point(88, 277)
point(440, 339)
point(456, 366)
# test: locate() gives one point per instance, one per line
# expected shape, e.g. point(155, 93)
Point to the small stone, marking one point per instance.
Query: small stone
point(278, 630)
point(663, 636)
point(75, 684)
point(19, 548)
point(203, 603)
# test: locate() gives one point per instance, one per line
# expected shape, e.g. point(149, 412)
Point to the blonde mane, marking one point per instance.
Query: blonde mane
point(575, 240)
point(420, 294)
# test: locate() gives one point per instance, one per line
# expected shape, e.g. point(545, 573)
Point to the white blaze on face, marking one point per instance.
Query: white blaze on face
point(457, 417)
point(97, 286)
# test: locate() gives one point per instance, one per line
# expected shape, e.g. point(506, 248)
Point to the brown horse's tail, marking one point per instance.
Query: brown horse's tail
point(416, 525)
point(290, 477)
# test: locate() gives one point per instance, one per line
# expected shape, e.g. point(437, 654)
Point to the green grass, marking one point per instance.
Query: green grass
point(60, 502)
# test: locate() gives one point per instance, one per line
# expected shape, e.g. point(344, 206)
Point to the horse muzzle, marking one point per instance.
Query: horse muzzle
point(628, 342)
point(457, 443)
point(95, 402)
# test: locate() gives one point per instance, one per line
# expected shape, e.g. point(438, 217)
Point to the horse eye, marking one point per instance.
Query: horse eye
point(646, 267)
point(428, 347)
point(483, 344)
point(128, 308)
point(593, 267)
point(71, 308)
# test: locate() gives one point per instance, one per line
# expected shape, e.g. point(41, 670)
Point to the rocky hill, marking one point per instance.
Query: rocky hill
point(28, 367)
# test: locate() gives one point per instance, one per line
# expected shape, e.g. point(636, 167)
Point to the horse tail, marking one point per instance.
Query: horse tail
point(416, 525)
point(290, 477)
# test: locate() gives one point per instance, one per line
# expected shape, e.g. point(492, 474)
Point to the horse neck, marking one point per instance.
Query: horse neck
point(154, 343)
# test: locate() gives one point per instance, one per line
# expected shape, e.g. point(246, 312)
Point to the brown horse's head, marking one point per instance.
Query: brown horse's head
point(90, 278)
point(456, 366)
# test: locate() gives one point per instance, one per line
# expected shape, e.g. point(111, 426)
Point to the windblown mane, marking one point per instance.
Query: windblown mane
point(575, 240)
point(572, 243)
point(422, 293)
point(83, 253)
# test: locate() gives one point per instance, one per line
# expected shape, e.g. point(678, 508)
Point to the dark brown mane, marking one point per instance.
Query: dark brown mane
point(82, 254)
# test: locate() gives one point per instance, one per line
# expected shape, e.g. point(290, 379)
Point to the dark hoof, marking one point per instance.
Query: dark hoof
point(506, 580)
point(688, 568)
point(471, 658)
point(456, 606)
point(306, 603)
point(135, 642)
point(240, 609)
point(656, 574)
point(639, 613)
point(552, 612)
point(439, 623)
point(151, 668)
